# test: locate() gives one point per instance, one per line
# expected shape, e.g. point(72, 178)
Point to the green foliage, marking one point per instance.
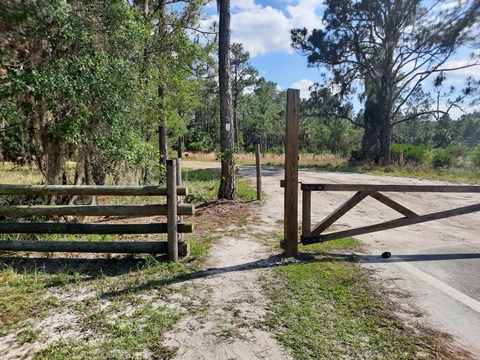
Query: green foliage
point(408, 35)
point(475, 156)
point(416, 154)
point(203, 186)
point(83, 81)
point(449, 156)
point(198, 147)
point(262, 114)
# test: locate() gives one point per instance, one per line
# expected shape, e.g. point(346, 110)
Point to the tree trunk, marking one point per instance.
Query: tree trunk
point(162, 127)
point(227, 188)
point(385, 142)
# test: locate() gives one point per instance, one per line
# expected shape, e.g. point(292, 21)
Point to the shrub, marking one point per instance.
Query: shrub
point(442, 158)
point(475, 156)
point(356, 154)
point(417, 154)
point(198, 147)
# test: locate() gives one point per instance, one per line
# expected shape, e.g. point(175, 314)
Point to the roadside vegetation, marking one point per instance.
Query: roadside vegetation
point(326, 306)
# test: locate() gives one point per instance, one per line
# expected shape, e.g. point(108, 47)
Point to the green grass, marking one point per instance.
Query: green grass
point(122, 313)
point(326, 307)
point(135, 334)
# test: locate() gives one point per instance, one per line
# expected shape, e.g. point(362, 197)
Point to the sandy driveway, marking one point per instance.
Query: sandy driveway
point(437, 263)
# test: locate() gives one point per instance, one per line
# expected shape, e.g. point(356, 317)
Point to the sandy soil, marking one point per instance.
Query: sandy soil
point(229, 328)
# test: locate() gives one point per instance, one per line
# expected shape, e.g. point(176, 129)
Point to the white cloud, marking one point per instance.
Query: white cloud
point(461, 75)
point(263, 29)
point(303, 85)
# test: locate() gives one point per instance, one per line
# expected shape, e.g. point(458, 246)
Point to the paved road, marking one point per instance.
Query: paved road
point(437, 263)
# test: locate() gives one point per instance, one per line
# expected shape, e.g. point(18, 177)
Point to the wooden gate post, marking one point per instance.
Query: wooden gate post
point(291, 173)
point(258, 167)
point(172, 210)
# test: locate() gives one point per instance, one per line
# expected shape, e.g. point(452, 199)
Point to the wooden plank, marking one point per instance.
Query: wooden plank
point(172, 210)
point(73, 228)
point(338, 213)
point(146, 247)
point(87, 190)
point(87, 210)
point(395, 188)
point(291, 173)
point(306, 212)
point(393, 204)
point(400, 222)
point(258, 167)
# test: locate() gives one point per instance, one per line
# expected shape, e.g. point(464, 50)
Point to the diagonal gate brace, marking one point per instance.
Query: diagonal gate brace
point(306, 240)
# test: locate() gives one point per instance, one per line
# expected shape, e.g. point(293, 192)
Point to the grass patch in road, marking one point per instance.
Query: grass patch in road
point(327, 307)
point(130, 335)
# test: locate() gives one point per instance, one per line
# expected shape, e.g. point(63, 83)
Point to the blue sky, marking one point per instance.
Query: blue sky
point(263, 28)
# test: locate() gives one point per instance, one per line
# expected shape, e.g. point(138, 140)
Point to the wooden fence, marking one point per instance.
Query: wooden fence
point(316, 234)
point(172, 209)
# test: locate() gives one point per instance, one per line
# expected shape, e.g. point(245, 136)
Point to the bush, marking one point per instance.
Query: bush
point(198, 147)
point(418, 154)
point(458, 150)
point(356, 154)
point(442, 158)
point(475, 156)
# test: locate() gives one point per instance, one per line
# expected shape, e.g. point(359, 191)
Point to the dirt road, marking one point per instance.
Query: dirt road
point(435, 263)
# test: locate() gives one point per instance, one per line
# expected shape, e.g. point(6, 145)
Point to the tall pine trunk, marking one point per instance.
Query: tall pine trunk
point(227, 188)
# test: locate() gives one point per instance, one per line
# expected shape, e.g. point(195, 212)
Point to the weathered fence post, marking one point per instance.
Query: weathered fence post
point(259, 172)
point(172, 210)
point(306, 212)
point(183, 248)
point(291, 173)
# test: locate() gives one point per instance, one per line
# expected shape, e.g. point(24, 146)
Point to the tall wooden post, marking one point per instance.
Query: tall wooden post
point(179, 201)
point(291, 173)
point(259, 172)
point(172, 210)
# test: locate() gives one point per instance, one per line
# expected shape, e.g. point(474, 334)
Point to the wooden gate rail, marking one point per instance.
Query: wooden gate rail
point(316, 235)
point(172, 227)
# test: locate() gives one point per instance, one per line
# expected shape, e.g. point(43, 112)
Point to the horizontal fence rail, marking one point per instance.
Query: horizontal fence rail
point(89, 210)
point(87, 190)
point(84, 229)
point(171, 210)
point(391, 188)
point(147, 247)
point(316, 234)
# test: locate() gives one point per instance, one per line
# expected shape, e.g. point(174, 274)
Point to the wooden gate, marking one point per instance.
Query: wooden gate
point(317, 233)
